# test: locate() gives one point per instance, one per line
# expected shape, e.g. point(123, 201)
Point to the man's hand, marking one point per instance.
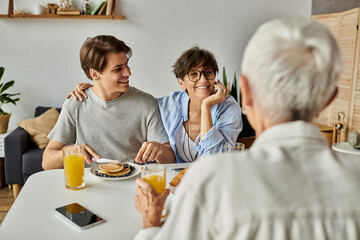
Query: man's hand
point(148, 152)
point(79, 91)
point(89, 153)
point(149, 203)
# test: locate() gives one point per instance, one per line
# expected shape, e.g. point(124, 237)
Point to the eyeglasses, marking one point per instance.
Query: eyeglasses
point(195, 75)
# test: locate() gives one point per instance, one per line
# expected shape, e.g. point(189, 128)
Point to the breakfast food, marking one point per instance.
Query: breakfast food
point(110, 168)
point(176, 180)
point(118, 173)
point(107, 171)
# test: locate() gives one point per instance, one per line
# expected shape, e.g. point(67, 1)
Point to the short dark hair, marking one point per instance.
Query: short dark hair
point(94, 51)
point(192, 58)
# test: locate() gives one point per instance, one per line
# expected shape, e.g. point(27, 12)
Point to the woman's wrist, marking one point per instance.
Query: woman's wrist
point(205, 105)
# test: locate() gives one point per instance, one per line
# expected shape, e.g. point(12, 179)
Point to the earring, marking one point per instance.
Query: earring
point(244, 109)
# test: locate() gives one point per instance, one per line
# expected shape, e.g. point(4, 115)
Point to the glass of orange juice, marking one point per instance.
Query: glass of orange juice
point(155, 175)
point(73, 156)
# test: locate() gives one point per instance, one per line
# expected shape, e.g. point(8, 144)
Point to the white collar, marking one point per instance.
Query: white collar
point(291, 130)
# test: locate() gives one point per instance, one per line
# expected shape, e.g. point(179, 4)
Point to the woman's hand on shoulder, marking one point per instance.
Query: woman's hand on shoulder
point(79, 92)
point(219, 96)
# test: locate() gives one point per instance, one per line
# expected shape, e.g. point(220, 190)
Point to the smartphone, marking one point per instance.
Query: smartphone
point(78, 216)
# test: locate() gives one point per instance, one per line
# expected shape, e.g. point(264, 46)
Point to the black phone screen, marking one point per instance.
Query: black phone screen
point(79, 215)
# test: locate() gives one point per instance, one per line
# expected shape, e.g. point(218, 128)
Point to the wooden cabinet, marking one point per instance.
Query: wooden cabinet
point(11, 14)
point(345, 28)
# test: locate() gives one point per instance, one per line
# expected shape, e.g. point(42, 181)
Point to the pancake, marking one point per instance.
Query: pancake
point(111, 168)
point(118, 173)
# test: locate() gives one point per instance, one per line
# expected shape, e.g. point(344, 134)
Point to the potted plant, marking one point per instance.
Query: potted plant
point(247, 134)
point(6, 98)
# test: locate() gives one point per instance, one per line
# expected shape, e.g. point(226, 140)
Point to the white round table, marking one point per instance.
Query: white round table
point(345, 147)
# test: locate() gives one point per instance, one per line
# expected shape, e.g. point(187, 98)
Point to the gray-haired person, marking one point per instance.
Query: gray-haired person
point(289, 184)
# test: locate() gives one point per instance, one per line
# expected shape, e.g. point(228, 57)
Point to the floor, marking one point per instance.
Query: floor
point(6, 200)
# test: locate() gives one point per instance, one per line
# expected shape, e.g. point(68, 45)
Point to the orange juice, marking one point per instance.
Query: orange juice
point(156, 181)
point(74, 171)
point(155, 175)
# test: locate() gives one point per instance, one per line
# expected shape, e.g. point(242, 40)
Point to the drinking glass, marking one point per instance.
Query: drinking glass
point(74, 164)
point(237, 147)
point(155, 175)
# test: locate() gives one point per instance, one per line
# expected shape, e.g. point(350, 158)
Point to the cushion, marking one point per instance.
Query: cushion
point(39, 127)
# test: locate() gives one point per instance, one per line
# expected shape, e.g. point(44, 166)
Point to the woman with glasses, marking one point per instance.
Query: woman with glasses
point(200, 119)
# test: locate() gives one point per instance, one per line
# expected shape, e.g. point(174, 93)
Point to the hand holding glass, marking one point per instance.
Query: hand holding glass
point(155, 175)
point(74, 164)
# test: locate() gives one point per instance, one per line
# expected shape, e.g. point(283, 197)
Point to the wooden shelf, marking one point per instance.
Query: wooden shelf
point(11, 15)
point(113, 17)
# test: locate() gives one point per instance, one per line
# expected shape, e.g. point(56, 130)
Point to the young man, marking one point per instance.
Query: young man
point(117, 121)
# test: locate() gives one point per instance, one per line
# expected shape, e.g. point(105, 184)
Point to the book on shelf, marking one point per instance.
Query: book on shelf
point(68, 11)
point(109, 7)
point(102, 10)
point(97, 8)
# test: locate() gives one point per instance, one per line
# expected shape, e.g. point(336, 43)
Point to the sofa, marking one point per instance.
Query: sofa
point(22, 156)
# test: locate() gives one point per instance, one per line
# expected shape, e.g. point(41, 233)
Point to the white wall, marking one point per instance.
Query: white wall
point(42, 55)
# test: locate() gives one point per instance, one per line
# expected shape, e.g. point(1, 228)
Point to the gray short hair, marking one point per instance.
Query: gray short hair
point(293, 66)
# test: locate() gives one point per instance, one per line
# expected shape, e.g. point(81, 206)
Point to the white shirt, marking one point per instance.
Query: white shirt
point(186, 146)
point(289, 185)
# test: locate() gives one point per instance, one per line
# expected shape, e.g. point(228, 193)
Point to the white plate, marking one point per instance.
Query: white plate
point(345, 147)
point(134, 173)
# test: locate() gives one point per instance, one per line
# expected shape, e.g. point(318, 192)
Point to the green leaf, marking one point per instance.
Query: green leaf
point(6, 97)
point(234, 89)
point(7, 85)
point(247, 130)
point(224, 77)
point(240, 99)
point(235, 80)
point(14, 94)
point(2, 70)
point(7, 100)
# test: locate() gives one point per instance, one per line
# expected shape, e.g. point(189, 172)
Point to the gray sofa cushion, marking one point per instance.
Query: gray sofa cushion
point(32, 160)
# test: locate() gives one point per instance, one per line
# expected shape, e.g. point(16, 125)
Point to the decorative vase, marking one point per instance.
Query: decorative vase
point(4, 122)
